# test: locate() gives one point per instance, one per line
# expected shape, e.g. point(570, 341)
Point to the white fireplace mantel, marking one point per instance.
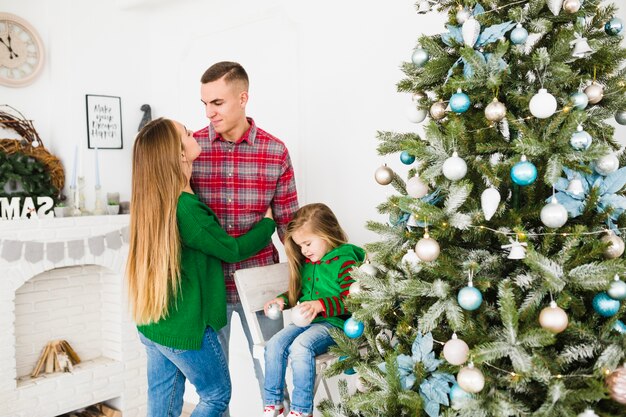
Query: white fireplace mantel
point(89, 256)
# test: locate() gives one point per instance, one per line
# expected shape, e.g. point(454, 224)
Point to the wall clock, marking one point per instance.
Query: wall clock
point(21, 51)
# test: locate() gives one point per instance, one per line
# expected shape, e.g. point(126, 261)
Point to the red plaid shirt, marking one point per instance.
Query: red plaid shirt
point(239, 181)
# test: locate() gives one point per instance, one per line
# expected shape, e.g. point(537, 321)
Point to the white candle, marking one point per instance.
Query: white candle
point(97, 170)
point(73, 183)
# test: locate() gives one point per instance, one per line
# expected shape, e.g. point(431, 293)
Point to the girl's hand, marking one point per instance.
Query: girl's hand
point(277, 300)
point(310, 309)
point(269, 213)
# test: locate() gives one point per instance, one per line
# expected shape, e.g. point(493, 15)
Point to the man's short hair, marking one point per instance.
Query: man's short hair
point(231, 71)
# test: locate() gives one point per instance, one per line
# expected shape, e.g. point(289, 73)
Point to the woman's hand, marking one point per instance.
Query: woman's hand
point(310, 309)
point(269, 213)
point(277, 300)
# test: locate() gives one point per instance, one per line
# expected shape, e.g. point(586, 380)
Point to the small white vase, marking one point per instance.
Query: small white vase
point(113, 209)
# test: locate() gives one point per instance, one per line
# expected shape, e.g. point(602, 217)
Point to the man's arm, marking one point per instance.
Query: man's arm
point(285, 202)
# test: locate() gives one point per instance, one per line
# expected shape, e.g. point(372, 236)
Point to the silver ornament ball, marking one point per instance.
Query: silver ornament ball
point(420, 57)
point(553, 214)
point(356, 288)
point(470, 379)
point(495, 111)
point(415, 115)
point(617, 289)
point(383, 175)
point(615, 248)
point(368, 269)
point(274, 312)
point(620, 117)
point(438, 110)
point(595, 93)
point(606, 164)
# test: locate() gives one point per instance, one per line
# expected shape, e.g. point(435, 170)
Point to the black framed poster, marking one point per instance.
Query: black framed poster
point(104, 122)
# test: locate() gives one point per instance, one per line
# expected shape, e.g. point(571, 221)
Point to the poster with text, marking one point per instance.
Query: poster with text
point(104, 122)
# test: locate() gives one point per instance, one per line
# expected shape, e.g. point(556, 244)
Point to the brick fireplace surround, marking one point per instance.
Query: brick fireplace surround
point(79, 298)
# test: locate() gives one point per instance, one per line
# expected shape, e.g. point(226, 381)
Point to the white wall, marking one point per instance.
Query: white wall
point(323, 78)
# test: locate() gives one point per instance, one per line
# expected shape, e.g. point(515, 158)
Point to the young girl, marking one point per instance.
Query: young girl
point(174, 271)
point(320, 262)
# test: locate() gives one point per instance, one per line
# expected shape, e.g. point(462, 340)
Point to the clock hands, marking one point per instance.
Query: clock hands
point(12, 53)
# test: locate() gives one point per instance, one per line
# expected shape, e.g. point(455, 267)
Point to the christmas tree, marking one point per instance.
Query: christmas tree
point(497, 286)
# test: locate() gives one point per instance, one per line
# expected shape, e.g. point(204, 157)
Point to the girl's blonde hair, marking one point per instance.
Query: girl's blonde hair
point(153, 267)
point(319, 220)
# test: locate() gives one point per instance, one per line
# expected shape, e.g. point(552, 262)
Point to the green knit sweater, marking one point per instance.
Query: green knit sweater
point(201, 301)
point(328, 281)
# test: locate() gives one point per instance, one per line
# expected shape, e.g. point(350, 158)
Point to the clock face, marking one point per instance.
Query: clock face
point(21, 51)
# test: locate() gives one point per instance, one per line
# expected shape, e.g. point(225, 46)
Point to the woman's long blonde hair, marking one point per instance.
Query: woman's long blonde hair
point(319, 220)
point(153, 267)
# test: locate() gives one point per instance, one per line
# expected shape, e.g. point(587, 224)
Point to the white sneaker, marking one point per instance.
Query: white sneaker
point(273, 411)
point(298, 414)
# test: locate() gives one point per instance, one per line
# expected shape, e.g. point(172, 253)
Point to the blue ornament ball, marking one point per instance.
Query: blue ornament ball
point(580, 100)
point(524, 173)
point(580, 140)
point(617, 290)
point(458, 396)
point(349, 371)
point(614, 27)
point(470, 298)
point(604, 305)
point(460, 102)
point(407, 158)
point(619, 327)
point(353, 328)
point(420, 57)
point(519, 35)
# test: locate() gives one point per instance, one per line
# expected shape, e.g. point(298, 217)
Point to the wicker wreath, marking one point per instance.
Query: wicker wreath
point(30, 144)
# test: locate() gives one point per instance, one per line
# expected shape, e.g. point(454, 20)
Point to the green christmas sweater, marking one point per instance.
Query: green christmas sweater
point(328, 281)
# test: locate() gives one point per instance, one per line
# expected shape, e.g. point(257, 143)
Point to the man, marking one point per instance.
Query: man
point(241, 171)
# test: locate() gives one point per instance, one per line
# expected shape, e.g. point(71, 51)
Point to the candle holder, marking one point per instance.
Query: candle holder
point(99, 207)
point(81, 197)
point(74, 202)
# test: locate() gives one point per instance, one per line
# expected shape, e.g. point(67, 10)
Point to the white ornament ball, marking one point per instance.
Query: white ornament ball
point(454, 168)
point(588, 413)
point(411, 259)
point(420, 57)
point(415, 115)
point(298, 318)
point(616, 246)
point(355, 288)
point(456, 351)
point(416, 188)
point(368, 269)
point(427, 249)
point(383, 175)
point(606, 164)
point(553, 318)
point(617, 289)
point(274, 312)
point(543, 104)
point(462, 15)
point(495, 111)
point(489, 201)
point(595, 93)
point(470, 379)
point(553, 214)
point(571, 6)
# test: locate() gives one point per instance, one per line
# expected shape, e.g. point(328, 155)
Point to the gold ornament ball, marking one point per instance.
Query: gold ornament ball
point(594, 92)
point(383, 175)
point(553, 318)
point(615, 248)
point(616, 383)
point(571, 6)
point(438, 110)
point(495, 111)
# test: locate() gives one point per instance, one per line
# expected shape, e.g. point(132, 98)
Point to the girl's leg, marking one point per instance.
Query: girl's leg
point(314, 341)
point(207, 370)
point(276, 354)
point(166, 383)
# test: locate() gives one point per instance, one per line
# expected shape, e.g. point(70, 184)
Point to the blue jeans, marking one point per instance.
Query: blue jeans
point(206, 369)
point(301, 345)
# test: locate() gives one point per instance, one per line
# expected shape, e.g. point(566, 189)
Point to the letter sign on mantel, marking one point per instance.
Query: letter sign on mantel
point(14, 208)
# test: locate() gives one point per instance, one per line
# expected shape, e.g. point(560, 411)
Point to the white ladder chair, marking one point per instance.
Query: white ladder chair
point(256, 286)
